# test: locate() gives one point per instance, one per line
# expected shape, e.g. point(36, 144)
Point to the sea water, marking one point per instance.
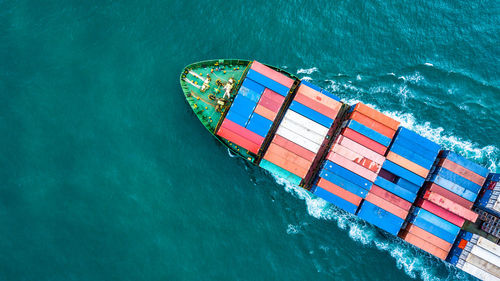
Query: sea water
point(108, 175)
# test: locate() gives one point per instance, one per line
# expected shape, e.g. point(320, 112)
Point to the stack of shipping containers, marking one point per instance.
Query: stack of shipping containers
point(255, 107)
point(488, 205)
point(442, 210)
point(476, 255)
point(302, 132)
point(354, 160)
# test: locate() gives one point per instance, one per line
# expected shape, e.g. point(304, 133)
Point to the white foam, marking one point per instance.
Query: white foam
point(307, 78)
point(307, 70)
point(428, 64)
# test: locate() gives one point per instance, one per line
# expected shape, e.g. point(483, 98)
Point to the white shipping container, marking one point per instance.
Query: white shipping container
point(303, 131)
point(306, 122)
point(484, 265)
point(496, 206)
point(485, 254)
point(298, 139)
point(488, 245)
point(479, 273)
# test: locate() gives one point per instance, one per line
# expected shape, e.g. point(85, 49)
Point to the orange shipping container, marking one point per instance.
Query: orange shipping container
point(295, 148)
point(316, 105)
point(370, 123)
point(407, 164)
point(451, 206)
point(429, 237)
point(466, 173)
point(386, 205)
point(287, 160)
point(424, 245)
point(376, 115)
point(394, 199)
point(319, 97)
point(351, 166)
point(356, 158)
point(265, 112)
point(339, 191)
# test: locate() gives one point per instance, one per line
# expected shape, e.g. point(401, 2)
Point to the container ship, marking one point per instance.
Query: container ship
point(354, 157)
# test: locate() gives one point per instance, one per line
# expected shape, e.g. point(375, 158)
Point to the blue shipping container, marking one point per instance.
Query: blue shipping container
point(395, 189)
point(343, 183)
point(453, 187)
point(494, 177)
point(311, 114)
point(348, 175)
point(455, 178)
point(259, 125)
point(368, 132)
point(408, 185)
point(418, 139)
point(433, 229)
point(249, 94)
point(415, 147)
point(464, 162)
point(436, 220)
point(254, 86)
point(335, 200)
point(413, 155)
point(380, 217)
point(328, 94)
point(403, 173)
point(268, 82)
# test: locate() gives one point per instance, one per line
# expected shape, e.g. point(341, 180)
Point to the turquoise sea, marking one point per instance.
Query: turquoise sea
point(106, 174)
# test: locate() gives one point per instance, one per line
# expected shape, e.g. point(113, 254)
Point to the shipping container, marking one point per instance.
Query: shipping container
point(412, 154)
point(316, 105)
point(432, 187)
point(259, 125)
point(343, 183)
point(442, 213)
point(319, 97)
point(436, 220)
point(295, 148)
point(429, 237)
point(459, 170)
point(364, 141)
point(302, 130)
point(407, 164)
point(354, 146)
point(370, 133)
point(479, 273)
point(488, 245)
point(462, 161)
point(298, 139)
point(248, 93)
point(424, 245)
point(386, 195)
point(265, 112)
point(306, 122)
point(339, 191)
point(453, 187)
point(484, 265)
point(395, 189)
point(459, 180)
point(352, 175)
point(380, 217)
point(407, 185)
point(356, 158)
point(485, 254)
point(352, 166)
point(432, 228)
point(273, 74)
point(376, 115)
point(280, 172)
point(270, 104)
point(239, 140)
point(415, 146)
point(386, 205)
point(403, 173)
point(268, 82)
point(287, 162)
point(335, 200)
point(451, 206)
point(418, 139)
point(372, 124)
point(311, 114)
point(253, 86)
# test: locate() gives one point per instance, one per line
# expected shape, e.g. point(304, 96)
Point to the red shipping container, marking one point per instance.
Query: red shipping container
point(265, 112)
point(354, 146)
point(440, 212)
point(451, 206)
point(319, 97)
point(273, 74)
point(462, 244)
point(289, 155)
point(286, 161)
point(356, 158)
point(364, 141)
point(239, 140)
point(316, 105)
point(386, 205)
point(243, 132)
point(353, 167)
point(457, 169)
point(295, 148)
point(424, 245)
point(429, 237)
point(270, 104)
point(450, 195)
point(394, 199)
point(372, 124)
point(376, 115)
point(339, 191)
